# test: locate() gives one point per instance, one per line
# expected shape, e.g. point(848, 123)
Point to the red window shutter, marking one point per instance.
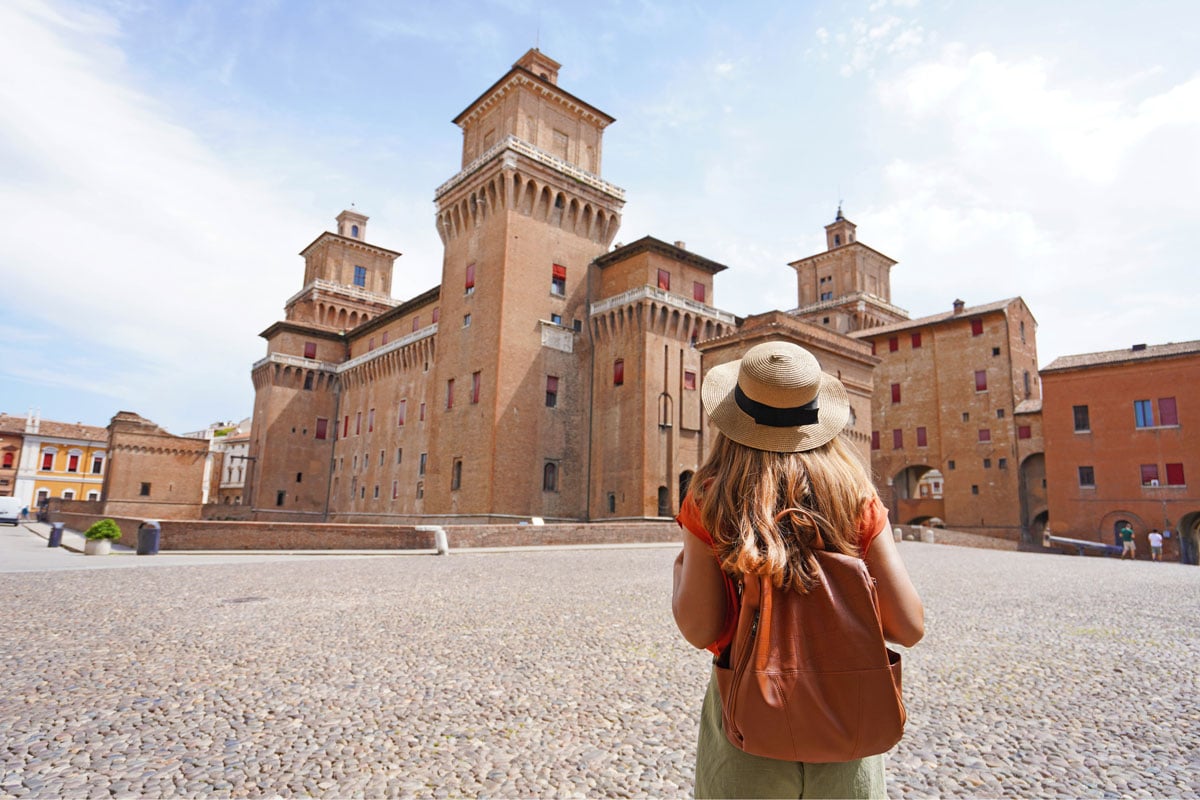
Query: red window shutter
point(470, 276)
point(921, 438)
point(1149, 474)
point(916, 340)
point(322, 428)
point(977, 327)
point(893, 344)
point(357, 423)
point(559, 271)
point(73, 463)
point(385, 338)
point(310, 349)
point(1167, 412)
point(874, 440)
point(370, 420)
point(551, 384)
point(416, 322)
point(698, 292)
point(402, 413)
point(48, 461)
point(1024, 432)
point(897, 439)
point(664, 280)
point(450, 393)
point(895, 393)
point(985, 434)
point(980, 380)
point(1175, 475)
point(475, 380)
point(436, 314)
point(346, 427)
point(618, 372)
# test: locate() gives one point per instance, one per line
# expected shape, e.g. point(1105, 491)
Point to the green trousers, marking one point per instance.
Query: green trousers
point(724, 771)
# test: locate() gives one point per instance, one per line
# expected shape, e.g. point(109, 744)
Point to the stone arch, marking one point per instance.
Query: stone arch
point(588, 215)
point(557, 206)
point(544, 201)
point(353, 319)
point(1031, 488)
point(908, 505)
point(1189, 538)
point(1110, 525)
point(572, 224)
point(529, 198)
point(664, 501)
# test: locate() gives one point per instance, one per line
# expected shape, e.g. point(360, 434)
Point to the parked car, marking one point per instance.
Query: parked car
point(10, 510)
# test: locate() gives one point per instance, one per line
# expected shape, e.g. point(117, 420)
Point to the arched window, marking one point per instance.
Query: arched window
point(685, 482)
point(550, 477)
point(664, 501)
point(354, 231)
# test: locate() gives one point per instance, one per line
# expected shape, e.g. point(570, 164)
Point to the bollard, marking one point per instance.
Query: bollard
point(898, 534)
point(927, 535)
point(56, 531)
point(149, 533)
point(440, 542)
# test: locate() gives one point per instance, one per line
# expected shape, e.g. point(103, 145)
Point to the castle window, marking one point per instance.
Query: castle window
point(450, 393)
point(456, 475)
point(826, 295)
point(384, 338)
point(874, 440)
point(1002, 464)
point(985, 434)
point(1087, 476)
point(1175, 475)
point(395, 489)
point(689, 380)
point(370, 420)
point(416, 323)
point(420, 489)
point(895, 393)
point(322, 428)
point(1024, 432)
point(371, 343)
point(470, 284)
point(402, 412)
point(922, 438)
point(346, 427)
point(421, 413)
point(664, 280)
point(466, 320)
point(977, 327)
point(837, 239)
point(1167, 412)
point(299, 477)
point(476, 379)
point(987, 463)
point(551, 391)
point(280, 496)
point(699, 293)
point(974, 488)
point(916, 340)
point(399, 455)
point(980, 380)
point(619, 372)
point(893, 344)
point(421, 463)
point(360, 276)
point(966, 416)
point(612, 503)
point(310, 350)
point(556, 319)
point(1027, 384)
point(354, 231)
point(950, 464)
point(1143, 414)
point(1149, 474)
point(550, 477)
point(308, 381)
point(995, 351)
point(436, 314)
point(357, 423)
point(898, 439)
point(558, 280)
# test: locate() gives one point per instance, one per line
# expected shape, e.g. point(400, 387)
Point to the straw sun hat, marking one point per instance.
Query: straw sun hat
point(776, 398)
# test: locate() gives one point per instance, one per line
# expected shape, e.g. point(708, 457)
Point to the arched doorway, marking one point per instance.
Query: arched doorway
point(1032, 494)
point(917, 492)
point(1189, 538)
point(664, 501)
point(685, 482)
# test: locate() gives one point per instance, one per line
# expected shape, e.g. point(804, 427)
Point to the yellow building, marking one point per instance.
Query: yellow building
point(58, 459)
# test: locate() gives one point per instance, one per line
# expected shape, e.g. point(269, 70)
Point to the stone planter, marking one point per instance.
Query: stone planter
point(97, 547)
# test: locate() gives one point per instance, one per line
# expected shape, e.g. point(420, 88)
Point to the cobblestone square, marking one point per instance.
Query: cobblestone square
point(560, 673)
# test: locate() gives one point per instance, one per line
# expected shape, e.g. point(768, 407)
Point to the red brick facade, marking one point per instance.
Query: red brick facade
point(1122, 433)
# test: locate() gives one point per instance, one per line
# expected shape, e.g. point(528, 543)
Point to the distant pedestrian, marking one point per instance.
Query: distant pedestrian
point(1155, 545)
point(25, 512)
point(1127, 547)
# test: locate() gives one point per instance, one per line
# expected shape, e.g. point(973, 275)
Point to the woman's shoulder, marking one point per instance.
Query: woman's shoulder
point(689, 519)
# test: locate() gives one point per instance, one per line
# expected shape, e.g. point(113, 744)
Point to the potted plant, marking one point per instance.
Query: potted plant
point(100, 537)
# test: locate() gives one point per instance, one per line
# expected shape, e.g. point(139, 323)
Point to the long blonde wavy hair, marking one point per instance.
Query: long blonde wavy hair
point(765, 510)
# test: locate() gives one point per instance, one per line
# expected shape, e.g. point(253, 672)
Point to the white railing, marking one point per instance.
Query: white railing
point(879, 302)
point(415, 336)
point(294, 361)
point(653, 293)
point(523, 147)
point(356, 292)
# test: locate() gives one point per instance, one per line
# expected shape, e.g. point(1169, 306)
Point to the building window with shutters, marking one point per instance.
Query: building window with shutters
point(689, 380)
point(322, 428)
point(981, 380)
point(874, 440)
point(1149, 474)
point(558, 280)
point(470, 282)
point(476, 379)
point(699, 292)
point(898, 439)
point(1175, 475)
point(310, 350)
point(48, 460)
point(916, 340)
point(977, 327)
point(551, 391)
point(893, 344)
point(360, 276)
point(895, 393)
point(619, 372)
point(664, 280)
point(922, 438)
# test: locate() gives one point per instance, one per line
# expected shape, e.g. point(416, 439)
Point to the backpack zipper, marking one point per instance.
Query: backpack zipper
point(740, 669)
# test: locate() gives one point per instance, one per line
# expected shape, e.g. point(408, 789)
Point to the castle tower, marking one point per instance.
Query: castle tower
point(347, 283)
point(521, 224)
point(849, 286)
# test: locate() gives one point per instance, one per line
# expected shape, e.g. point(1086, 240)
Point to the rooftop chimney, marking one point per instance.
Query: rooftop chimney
point(1138, 347)
point(681, 245)
point(958, 306)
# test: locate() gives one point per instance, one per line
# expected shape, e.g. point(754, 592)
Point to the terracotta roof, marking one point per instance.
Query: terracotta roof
point(57, 430)
point(1028, 406)
point(1138, 352)
point(945, 316)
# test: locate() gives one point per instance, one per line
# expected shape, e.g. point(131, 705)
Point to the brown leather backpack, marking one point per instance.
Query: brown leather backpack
point(809, 677)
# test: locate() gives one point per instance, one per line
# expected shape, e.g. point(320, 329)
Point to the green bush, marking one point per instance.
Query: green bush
point(103, 529)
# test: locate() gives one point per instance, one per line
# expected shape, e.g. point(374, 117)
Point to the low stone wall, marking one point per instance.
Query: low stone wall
point(917, 533)
point(238, 535)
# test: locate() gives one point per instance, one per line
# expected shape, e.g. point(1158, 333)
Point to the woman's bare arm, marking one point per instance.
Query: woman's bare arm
point(698, 599)
point(900, 607)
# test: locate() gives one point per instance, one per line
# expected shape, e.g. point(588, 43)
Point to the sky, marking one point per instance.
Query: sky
point(163, 163)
